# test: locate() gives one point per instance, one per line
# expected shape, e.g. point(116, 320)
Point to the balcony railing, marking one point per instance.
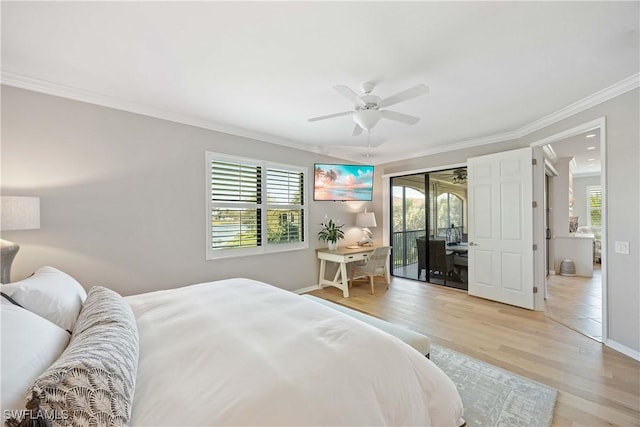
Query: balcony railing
point(404, 247)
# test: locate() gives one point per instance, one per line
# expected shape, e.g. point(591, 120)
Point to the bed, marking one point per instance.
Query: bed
point(230, 352)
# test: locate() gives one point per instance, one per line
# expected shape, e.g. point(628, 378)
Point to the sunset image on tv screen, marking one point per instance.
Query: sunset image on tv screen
point(343, 182)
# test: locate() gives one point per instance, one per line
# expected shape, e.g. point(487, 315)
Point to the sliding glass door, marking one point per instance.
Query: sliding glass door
point(429, 227)
point(409, 207)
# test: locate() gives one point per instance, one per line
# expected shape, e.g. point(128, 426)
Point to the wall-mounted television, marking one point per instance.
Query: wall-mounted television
point(341, 182)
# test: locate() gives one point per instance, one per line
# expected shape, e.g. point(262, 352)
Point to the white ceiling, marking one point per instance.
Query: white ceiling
point(261, 69)
point(585, 151)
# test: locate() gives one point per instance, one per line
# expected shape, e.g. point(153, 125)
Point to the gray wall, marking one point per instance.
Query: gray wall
point(123, 197)
point(623, 210)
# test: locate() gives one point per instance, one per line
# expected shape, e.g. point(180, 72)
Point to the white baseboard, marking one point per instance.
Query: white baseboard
point(307, 289)
point(623, 349)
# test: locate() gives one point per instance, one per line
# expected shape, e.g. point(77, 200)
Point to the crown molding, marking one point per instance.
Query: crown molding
point(82, 95)
point(16, 80)
point(616, 89)
point(623, 86)
point(587, 174)
point(492, 139)
point(550, 153)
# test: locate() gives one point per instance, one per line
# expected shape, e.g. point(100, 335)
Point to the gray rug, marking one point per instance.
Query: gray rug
point(494, 397)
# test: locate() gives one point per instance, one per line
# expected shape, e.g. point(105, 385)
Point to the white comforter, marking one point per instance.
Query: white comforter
point(241, 352)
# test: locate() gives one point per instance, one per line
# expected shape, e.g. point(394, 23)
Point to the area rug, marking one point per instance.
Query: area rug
point(494, 397)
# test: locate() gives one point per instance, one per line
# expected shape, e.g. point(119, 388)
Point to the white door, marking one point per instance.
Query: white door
point(501, 227)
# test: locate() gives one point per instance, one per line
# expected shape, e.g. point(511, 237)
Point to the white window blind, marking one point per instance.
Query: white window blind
point(285, 209)
point(253, 207)
point(594, 206)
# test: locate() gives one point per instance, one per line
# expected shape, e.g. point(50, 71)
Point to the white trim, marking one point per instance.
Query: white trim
point(305, 290)
point(600, 123)
point(586, 174)
point(549, 169)
point(476, 142)
point(634, 354)
point(82, 95)
point(550, 153)
point(610, 92)
point(264, 206)
point(572, 165)
point(585, 127)
point(423, 170)
point(24, 82)
point(623, 86)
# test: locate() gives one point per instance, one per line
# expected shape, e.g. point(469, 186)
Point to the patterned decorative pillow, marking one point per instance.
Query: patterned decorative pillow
point(93, 381)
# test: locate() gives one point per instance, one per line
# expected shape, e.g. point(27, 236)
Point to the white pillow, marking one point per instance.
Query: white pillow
point(49, 293)
point(30, 344)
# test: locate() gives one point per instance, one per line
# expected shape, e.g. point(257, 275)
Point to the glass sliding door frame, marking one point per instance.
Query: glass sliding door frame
point(406, 228)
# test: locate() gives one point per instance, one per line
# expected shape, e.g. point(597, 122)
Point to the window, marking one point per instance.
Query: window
point(594, 206)
point(449, 212)
point(253, 207)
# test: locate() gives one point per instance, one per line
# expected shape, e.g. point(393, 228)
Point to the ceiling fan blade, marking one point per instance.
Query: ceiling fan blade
point(357, 130)
point(400, 117)
point(350, 94)
point(405, 95)
point(331, 116)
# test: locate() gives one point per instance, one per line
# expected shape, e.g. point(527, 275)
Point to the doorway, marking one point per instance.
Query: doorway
point(574, 293)
point(429, 227)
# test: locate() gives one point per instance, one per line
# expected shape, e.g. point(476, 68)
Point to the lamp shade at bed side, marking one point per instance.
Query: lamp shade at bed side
point(16, 213)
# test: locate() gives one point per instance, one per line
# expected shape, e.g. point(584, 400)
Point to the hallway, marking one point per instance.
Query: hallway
point(576, 302)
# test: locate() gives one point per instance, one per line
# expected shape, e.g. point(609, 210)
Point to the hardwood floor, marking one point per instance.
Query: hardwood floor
point(597, 385)
point(576, 302)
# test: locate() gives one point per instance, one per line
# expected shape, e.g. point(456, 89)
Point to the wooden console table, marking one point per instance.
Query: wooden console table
point(341, 256)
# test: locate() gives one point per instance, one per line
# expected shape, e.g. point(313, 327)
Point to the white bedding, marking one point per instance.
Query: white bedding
point(241, 352)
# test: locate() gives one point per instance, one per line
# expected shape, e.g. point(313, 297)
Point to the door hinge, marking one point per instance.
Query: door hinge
point(534, 162)
point(534, 204)
point(535, 247)
point(535, 289)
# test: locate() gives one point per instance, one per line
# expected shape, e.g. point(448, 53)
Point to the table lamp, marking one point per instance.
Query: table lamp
point(366, 220)
point(17, 213)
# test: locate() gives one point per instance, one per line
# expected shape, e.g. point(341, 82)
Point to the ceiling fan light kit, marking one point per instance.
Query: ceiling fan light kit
point(367, 119)
point(367, 112)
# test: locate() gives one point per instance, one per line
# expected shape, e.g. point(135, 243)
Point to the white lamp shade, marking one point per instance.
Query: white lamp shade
point(365, 220)
point(20, 213)
point(367, 119)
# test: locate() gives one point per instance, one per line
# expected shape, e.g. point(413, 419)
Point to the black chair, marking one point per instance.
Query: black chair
point(461, 262)
point(440, 262)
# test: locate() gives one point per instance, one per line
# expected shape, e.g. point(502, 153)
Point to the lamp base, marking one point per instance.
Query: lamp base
point(367, 238)
point(8, 251)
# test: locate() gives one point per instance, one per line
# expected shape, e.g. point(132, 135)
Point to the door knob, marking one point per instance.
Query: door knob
point(473, 244)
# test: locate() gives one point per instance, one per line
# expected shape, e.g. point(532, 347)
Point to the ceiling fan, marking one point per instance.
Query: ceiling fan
point(367, 111)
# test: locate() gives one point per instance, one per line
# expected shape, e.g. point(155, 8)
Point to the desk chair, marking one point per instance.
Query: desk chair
point(375, 266)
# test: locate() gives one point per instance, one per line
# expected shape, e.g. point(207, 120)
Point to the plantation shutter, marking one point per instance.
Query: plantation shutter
point(254, 207)
point(594, 205)
point(236, 196)
point(285, 210)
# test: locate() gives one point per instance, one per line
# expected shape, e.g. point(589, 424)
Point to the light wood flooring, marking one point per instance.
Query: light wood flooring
point(576, 302)
point(597, 386)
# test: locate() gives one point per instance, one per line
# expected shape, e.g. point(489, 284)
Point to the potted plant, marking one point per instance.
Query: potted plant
point(331, 232)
